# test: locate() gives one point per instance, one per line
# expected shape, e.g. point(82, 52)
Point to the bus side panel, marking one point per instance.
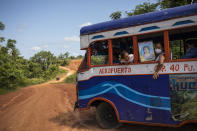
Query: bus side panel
point(183, 96)
point(137, 98)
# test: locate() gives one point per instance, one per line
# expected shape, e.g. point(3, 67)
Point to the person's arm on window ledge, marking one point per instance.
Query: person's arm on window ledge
point(159, 66)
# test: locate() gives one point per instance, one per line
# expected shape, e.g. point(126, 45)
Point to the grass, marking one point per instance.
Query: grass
point(71, 78)
point(33, 81)
point(5, 91)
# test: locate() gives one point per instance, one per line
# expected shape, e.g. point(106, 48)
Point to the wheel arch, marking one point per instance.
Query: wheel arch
point(96, 101)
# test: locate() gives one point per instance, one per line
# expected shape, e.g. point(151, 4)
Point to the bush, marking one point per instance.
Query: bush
point(71, 78)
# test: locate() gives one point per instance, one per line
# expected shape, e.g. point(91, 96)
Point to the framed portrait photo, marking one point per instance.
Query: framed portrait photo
point(146, 51)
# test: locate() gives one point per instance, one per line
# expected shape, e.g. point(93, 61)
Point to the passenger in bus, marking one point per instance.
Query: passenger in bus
point(160, 58)
point(126, 58)
point(192, 49)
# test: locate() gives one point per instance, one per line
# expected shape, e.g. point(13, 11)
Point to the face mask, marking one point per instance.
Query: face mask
point(158, 51)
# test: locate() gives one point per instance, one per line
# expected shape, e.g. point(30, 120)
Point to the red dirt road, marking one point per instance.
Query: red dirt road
point(49, 107)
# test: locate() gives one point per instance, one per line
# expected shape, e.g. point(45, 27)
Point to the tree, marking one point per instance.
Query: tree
point(12, 48)
point(116, 15)
point(15, 71)
point(150, 7)
point(35, 70)
point(63, 59)
point(10, 72)
point(2, 27)
point(143, 8)
point(45, 58)
point(79, 57)
point(66, 54)
point(11, 44)
point(173, 3)
point(72, 57)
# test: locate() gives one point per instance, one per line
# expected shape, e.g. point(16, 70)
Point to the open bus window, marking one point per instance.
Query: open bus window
point(84, 63)
point(121, 45)
point(146, 44)
point(183, 43)
point(99, 53)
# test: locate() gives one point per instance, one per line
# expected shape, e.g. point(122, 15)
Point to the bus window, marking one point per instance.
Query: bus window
point(183, 43)
point(122, 45)
point(84, 63)
point(146, 46)
point(99, 53)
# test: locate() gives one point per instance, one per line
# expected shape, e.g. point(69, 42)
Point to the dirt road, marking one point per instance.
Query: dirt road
point(49, 107)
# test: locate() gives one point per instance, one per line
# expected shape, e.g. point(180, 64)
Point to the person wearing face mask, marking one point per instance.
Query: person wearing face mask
point(192, 49)
point(160, 58)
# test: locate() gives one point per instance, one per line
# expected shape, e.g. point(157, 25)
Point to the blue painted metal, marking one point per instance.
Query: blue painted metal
point(97, 37)
point(183, 22)
point(149, 101)
point(132, 96)
point(121, 33)
point(141, 19)
point(149, 28)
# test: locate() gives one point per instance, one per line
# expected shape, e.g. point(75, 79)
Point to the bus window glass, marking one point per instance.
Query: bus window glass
point(122, 47)
point(183, 43)
point(146, 46)
point(99, 53)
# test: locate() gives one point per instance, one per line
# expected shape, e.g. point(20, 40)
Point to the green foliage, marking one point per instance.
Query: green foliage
point(10, 73)
point(146, 7)
point(2, 26)
point(16, 72)
point(98, 60)
point(1, 40)
point(5, 91)
point(63, 59)
point(172, 3)
point(177, 49)
point(71, 78)
point(143, 8)
point(184, 104)
point(116, 15)
point(79, 57)
point(44, 58)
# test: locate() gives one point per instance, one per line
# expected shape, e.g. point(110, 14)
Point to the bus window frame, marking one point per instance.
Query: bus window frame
point(178, 60)
point(117, 64)
point(166, 47)
point(89, 54)
point(135, 49)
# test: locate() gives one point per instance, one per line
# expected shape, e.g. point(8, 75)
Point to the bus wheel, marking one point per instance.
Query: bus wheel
point(106, 116)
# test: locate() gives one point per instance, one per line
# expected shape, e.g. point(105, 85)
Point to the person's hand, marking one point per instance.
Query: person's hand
point(155, 75)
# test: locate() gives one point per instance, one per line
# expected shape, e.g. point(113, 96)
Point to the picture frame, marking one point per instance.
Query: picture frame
point(146, 51)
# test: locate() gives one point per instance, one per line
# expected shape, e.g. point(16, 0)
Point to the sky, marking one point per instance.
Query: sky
point(54, 25)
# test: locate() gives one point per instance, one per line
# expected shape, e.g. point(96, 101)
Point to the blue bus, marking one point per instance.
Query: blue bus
point(117, 75)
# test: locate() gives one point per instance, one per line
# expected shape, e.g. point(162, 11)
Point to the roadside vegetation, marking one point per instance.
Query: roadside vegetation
point(71, 78)
point(17, 72)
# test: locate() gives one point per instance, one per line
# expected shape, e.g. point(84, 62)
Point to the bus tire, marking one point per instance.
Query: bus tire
point(106, 116)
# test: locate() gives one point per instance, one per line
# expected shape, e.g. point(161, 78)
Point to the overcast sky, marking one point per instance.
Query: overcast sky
point(54, 25)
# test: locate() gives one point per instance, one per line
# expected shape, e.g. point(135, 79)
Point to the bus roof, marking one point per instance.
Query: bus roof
point(141, 19)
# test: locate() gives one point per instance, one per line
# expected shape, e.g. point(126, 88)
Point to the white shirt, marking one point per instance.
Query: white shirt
point(131, 57)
